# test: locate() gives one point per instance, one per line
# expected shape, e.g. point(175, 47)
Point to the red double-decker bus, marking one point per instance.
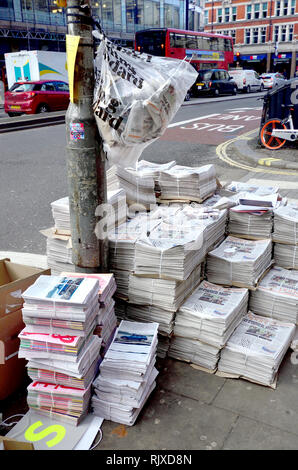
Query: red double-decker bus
point(203, 50)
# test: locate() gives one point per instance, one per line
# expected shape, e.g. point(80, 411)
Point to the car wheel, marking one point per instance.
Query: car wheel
point(43, 108)
point(262, 87)
point(216, 92)
point(187, 96)
point(234, 92)
point(12, 114)
point(248, 89)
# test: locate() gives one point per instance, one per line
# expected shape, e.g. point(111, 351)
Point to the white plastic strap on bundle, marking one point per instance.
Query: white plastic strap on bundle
point(231, 272)
point(160, 262)
point(51, 326)
point(178, 186)
point(137, 181)
point(152, 291)
point(275, 298)
point(54, 307)
point(294, 257)
point(248, 224)
point(295, 232)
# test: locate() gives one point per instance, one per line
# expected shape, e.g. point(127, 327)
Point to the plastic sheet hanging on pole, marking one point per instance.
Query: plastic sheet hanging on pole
point(135, 98)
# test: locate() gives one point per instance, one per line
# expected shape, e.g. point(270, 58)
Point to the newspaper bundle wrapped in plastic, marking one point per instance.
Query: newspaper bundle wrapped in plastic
point(256, 348)
point(239, 262)
point(135, 98)
point(211, 313)
point(277, 295)
point(127, 373)
point(187, 183)
point(286, 224)
point(167, 294)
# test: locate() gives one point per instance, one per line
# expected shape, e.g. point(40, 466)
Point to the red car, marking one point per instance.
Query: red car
point(36, 97)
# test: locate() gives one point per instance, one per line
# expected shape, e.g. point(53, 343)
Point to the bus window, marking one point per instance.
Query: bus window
point(191, 42)
point(172, 39)
point(180, 40)
point(214, 44)
point(206, 44)
point(227, 45)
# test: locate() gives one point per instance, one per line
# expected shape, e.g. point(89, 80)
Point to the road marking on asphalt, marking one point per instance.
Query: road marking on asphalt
point(180, 123)
point(267, 161)
point(221, 151)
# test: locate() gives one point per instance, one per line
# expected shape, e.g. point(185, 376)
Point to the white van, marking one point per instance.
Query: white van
point(247, 80)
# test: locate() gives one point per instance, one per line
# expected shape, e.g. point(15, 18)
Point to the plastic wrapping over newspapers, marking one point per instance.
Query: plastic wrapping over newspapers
point(135, 98)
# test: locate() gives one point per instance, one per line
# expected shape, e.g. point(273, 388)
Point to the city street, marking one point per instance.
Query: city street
point(189, 409)
point(33, 162)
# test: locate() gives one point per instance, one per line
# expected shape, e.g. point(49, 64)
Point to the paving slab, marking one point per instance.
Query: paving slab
point(249, 434)
point(278, 408)
point(181, 378)
point(171, 422)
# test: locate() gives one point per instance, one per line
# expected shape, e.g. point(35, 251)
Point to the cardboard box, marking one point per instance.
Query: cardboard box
point(12, 369)
point(14, 280)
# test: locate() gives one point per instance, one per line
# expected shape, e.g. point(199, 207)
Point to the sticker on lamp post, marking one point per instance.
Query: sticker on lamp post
point(77, 131)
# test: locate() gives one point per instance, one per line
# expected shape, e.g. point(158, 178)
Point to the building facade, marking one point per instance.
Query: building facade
point(41, 25)
point(265, 33)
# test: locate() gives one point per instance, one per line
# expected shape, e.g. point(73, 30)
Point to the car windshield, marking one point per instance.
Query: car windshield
point(205, 75)
point(22, 87)
point(267, 76)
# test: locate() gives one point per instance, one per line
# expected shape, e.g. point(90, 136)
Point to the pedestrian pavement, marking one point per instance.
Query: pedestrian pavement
point(195, 410)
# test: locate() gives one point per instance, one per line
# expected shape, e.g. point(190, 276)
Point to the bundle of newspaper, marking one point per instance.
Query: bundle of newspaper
point(187, 183)
point(61, 402)
point(61, 306)
point(169, 252)
point(138, 189)
point(286, 224)
point(127, 373)
point(285, 255)
point(256, 348)
point(239, 262)
point(211, 313)
point(194, 351)
point(277, 295)
point(152, 170)
point(115, 209)
point(213, 220)
point(151, 313)
point(164, 293)
point(250, 221)
point(106, 320)
point(236, 187)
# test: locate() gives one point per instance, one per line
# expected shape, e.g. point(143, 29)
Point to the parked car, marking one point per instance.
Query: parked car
point(247, 80)
point(36, 97)
point(214, 82)
point(272, 80)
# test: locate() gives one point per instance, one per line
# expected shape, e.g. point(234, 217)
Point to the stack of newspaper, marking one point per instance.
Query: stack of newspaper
point(194, 351)
point(164, 293)
point(59, 251)
point(236, 187)
point(127, 373)
point(61, 307)
point(256, 348)
point(169, 252)
point(187, 183)
point(205, 321)
point(277, 295)
point(106, 320)
point(59, 401)
point(153, 170)
point(239, 262)
point(211, 313)
point(286, 224)
point(138, 189)
point(285, 236)
point(115, 209)
point(151, 313)
point(250, 221)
